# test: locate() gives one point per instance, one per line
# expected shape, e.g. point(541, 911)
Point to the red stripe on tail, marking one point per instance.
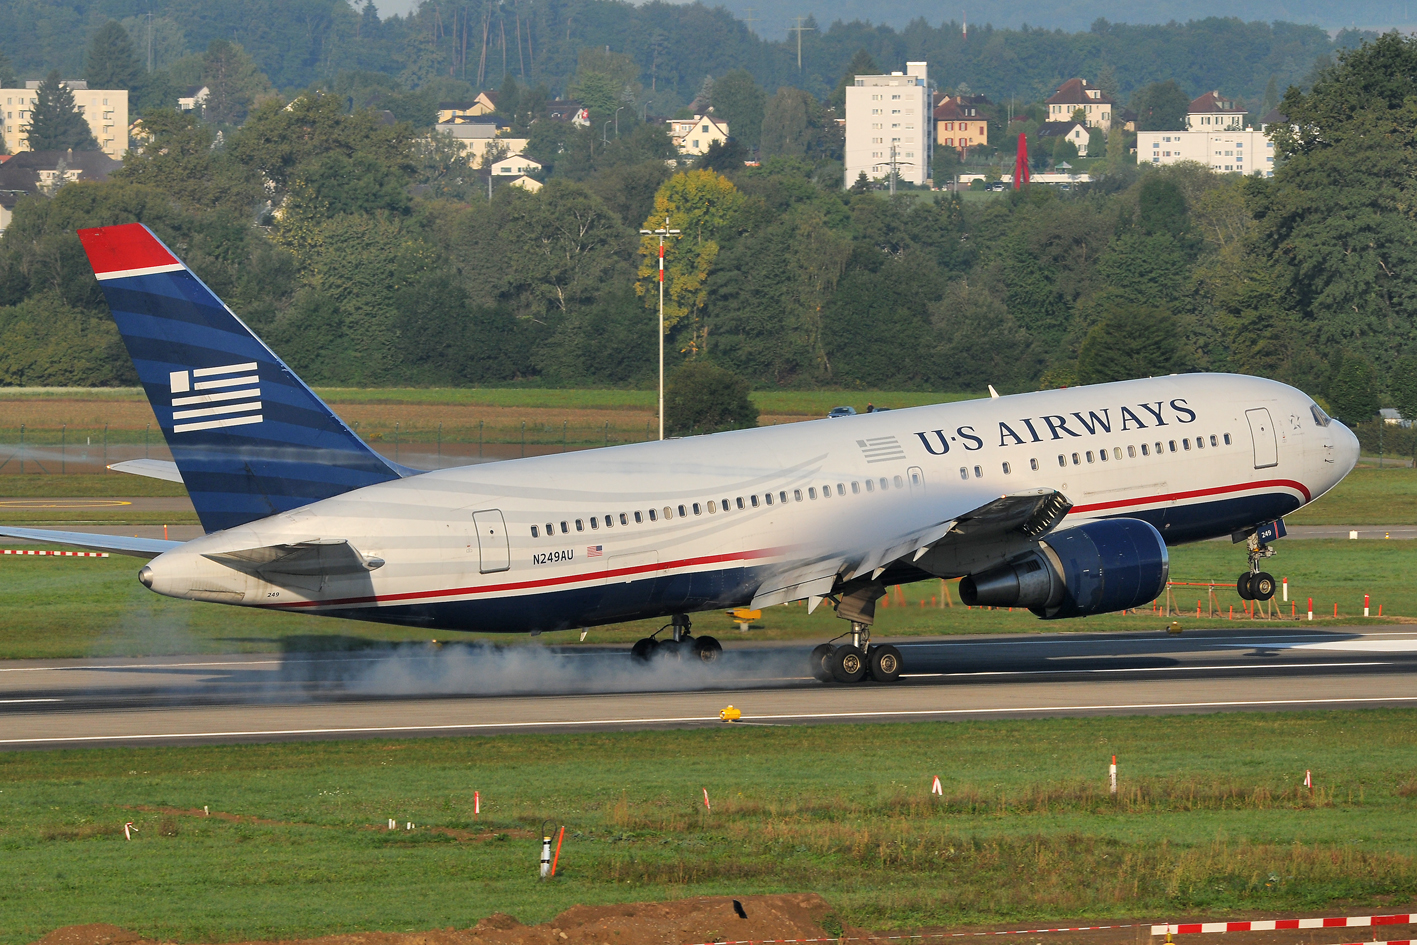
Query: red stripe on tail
point(120, 248)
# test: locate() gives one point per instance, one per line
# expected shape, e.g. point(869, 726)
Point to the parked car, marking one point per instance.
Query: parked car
point(842, 412)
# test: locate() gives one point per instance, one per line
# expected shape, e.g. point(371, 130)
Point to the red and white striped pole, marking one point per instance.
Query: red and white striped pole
point(1311, 608)
point(1112, 774)
point(1366, 600)
point(476, 803)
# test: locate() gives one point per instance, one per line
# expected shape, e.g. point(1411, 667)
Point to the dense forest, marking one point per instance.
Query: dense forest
point(450, 47)
point(388, 264)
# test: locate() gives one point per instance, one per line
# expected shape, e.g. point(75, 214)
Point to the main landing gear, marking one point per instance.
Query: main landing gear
point(681, 646)
point(1255, 584)
point(857, 660)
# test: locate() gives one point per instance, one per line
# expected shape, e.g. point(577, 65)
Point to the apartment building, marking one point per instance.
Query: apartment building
point(106, 111)
point(888, 124)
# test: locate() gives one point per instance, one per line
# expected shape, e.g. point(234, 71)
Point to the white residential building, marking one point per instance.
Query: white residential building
point(106, 111)
point(1231, 150)
point(888, 117)
point(694, 135)
point(517, 164)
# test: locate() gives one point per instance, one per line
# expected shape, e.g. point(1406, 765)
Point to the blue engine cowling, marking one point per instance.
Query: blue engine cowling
point(1094, 568)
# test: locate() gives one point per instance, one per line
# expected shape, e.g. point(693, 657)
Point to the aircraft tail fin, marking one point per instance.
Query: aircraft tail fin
point(249, 437)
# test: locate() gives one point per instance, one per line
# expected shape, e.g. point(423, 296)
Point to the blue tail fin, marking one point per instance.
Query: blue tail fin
point(248, 436)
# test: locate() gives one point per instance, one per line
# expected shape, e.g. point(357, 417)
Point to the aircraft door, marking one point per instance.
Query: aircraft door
point(917, 482)
point(1262, 432)
point(492, 543)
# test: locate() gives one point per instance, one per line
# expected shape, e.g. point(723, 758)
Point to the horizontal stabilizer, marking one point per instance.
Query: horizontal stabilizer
point(118, 544)
point(321, 557)
point(151, 468)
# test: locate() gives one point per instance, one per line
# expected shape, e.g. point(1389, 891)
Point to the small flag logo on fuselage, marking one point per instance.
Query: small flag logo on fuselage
point(595, 551)
point(215, 397)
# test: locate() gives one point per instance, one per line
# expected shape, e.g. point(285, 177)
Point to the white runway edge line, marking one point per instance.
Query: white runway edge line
point(561, 723)
point(1271, 925)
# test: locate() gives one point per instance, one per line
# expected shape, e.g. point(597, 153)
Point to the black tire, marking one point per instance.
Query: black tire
point(671, 649)
point(817, 662)
point(1242, 587)
point(707, 649)
point(885, 663)
point(848, 664)
point(1262, 585)
point(642, 650)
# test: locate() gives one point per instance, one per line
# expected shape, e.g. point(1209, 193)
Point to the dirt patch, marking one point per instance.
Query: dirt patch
point(679, 922)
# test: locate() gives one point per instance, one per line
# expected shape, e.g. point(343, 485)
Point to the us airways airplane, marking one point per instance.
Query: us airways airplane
point(1060, 501)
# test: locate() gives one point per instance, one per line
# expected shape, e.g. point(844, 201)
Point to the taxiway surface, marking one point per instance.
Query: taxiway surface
point(419, 690)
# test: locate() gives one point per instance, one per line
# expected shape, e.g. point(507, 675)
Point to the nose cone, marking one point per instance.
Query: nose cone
point(1345, 449)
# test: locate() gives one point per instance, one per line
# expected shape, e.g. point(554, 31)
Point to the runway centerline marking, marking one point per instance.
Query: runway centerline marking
point(569, 723)
point(19, 701)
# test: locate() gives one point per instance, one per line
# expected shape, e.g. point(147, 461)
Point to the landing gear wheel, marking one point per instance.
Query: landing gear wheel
point(1243, 586)
point(1262, 585)
point(885, 663)
point(642, 650)
point(848, 664)
point(672, 649)
point(817, 662)
point(707, 649)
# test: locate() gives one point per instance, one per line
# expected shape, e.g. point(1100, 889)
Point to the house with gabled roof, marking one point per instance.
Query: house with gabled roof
point(1214, 112)
point(694, 135)
point(958, 123)
point(1097, 106)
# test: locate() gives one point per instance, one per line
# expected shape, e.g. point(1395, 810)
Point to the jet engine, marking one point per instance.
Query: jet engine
point(1095, 568)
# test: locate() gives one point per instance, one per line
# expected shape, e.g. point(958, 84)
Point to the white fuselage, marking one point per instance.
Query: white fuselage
point(778, 513)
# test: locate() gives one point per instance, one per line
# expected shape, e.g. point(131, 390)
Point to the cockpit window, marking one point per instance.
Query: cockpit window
point(1320, 418)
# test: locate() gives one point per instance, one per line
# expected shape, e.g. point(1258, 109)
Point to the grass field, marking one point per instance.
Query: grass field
point(1211, 819)
point(72, 607)
point(1367, 496)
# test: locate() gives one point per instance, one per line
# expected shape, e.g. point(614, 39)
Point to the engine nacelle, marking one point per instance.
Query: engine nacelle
point(1094, 568)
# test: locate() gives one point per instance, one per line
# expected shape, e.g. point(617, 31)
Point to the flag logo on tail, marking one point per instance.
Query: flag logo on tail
point(595, 551)
point(215, 397)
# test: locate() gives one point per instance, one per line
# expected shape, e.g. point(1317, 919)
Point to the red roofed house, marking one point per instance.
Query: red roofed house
point(1097, 106)
point(1212, 112)
point(958, 123)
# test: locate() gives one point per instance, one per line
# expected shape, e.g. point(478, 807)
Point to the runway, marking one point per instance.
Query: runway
point(417, 690)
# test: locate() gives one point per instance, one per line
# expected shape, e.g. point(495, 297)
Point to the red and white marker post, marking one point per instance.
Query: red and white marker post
point(1311, 608)
point(1112, 774)
point(476, 803)
point(1366, 600)
point(706, 801)
point(129, 830)
point(936, 788)
point(1308, 779)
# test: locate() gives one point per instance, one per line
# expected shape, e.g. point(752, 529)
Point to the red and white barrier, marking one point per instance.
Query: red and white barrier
point(54, 554)
point(1270, 925)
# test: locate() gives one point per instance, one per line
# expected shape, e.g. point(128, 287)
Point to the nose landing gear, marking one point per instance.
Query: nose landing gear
point(1255, 584)
point(854, 661)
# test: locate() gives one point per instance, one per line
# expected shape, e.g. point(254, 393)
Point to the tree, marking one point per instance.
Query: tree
point(179, 160)
point(796, 125)
point(861, 64)
point(1352, 394)
point(738, 101)
point(1271, 97)
point(1129, 341)
point(700, 397)
point(7, 73)
point(233, 83)
point(1161, 106)
point(700, 204)
point(1064, 150)
point(55, 123)
point(1402, 384)
point(723, 157)
point(111, 63)
point(605, 80)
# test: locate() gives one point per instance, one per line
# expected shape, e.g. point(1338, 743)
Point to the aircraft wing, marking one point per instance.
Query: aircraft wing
point(118, 544)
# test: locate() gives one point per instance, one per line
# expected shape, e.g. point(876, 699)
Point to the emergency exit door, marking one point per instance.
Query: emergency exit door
point(492, 545)
point(1262, 433)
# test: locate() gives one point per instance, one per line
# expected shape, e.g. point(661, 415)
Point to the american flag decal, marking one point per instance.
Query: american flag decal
point(595, 551)
point(225, 396)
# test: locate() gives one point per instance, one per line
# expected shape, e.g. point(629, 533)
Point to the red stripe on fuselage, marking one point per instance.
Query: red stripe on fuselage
point(1194, 494)
point(525, 585)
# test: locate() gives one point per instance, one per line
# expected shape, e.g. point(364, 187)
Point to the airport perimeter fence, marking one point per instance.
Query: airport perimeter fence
point(66, 450)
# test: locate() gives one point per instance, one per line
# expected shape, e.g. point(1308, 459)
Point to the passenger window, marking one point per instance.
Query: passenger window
point(712, 506)
point(1173, 445)
point(594, 522)
point(1227, 439)
point(870, 486)
point(535, 532)
point(639, 518)
point(626, 521)
point(1145, 451)
point(668, 513)
point(855, 488)
point(1033, 465)
point(609, 521)
point(1213, 441)
point(811, 492)
point(915, 479)
point(1186, 443)
point(1089, 456)
point(1116, 452)
point(1132, 452)
point(564, 529)
point(841, 487)
point(978, 472)
point(1102, 455)
point(652, 516)
point(899, 483)
point(1006, 469)
point(782, 497)
point(550, 529)
point(797, 495)
point(740, 502)
point(1076, 461)
point(1159, 450)
point(1200, 442)
point(1062, 460)
point(580, 525)
point(885, 483)
point(753, 500)
point(768, 498)
point(698, 509)
point(681, 512)
point(964, 472)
